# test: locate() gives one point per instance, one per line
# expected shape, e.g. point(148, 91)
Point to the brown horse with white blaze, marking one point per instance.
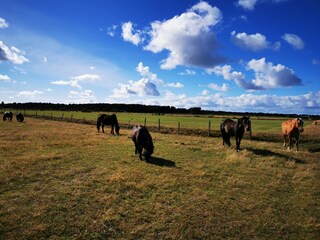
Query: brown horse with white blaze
point(292, 129)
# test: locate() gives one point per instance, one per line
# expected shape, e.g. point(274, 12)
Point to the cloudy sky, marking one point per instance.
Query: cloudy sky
point(234, 55)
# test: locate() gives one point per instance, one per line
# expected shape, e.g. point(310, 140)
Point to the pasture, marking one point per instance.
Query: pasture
point(62, 180)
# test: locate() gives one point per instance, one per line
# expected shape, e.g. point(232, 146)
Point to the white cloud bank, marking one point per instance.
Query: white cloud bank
point(143, 87)
point(74, 81)
point(5, 78)
point(267, 75)
point(294, 40)
point(12, 54)
point(247, 4)
point(3, 23)
point(188, 37)
point(131, 35)
point(255, 42)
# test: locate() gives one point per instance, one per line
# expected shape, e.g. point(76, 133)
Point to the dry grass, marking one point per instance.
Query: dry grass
point(65, 181)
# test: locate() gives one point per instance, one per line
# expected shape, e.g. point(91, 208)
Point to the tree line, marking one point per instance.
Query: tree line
point(137, 108)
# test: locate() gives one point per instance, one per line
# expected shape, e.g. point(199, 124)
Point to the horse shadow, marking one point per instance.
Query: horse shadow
point(265, 152)
point(162, 162)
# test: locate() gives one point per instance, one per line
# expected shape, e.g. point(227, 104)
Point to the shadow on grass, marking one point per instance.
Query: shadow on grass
point(162, 162)
point(265, 152)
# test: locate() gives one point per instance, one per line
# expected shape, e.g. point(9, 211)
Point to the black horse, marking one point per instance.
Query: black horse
point(20, 117)
point(7, 116)
point(230, 128)
point(142, 142)
point(104, 119)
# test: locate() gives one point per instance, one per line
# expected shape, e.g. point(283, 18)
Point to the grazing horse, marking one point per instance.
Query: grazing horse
point(292, 129)
point(230, 128)
point(142, 142)
point(20, 117)
point(104, 119)
point(7, 115)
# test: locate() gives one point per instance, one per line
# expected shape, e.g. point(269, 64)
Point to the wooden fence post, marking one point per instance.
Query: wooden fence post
point(209, 128)
point(145, 121)
point(62, 116)
point(159, 124)
point(178, 127)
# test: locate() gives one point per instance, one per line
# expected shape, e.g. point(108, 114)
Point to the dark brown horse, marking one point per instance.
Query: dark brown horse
point(142, 142)
point(7, 116)
point(230, 128)
point(292, 129)
point(104, 119)
point(20, 117)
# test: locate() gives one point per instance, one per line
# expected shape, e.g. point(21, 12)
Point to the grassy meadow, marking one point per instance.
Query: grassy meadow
point(62, 180)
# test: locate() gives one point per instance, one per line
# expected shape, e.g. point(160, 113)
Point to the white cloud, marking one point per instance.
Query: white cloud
point(12, 54)
point(74, 81)
point(188, 38)
point(223, 88)
point(85, 96)
point(270, 76)
point(247, 4)
point(30, 94)
point(175, 85)
point(254, 42)
point(187, 72)
point(225, 71)
point(267, 75)
point(294, 40)
point(3, 23)
point(111, 31)
point(5, 78)
point(44, 59)
point(143, 87)
point(146, 73)
point(130, 35)
point(205, 92)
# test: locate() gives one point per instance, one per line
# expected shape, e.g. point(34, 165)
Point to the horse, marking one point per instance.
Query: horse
point(230, 128)
point(7, 115)
point(104, 119)
point(142, 141)
point(20, 117)
point(292, 129)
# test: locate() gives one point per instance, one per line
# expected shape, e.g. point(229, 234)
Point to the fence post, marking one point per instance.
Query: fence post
point(145, 121)
point(62, 116)
point(159, 124)
point(178, 127)
point(209, 128)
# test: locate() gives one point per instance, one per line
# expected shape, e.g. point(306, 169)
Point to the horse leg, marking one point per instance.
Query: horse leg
point(238, 140)
point(297, 143)
point(228, 140)
point(140, 152)
point(284, 140)
point(289, 141)
point(102, 127)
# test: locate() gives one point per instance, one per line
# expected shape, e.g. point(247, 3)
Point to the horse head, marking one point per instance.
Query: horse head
point(300, 125)
point(246, 123)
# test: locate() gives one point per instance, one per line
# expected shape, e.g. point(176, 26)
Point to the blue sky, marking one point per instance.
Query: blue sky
point(234, 55)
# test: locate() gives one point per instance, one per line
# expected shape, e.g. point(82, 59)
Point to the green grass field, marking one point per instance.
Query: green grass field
point(62, 180)
point(170, 121)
